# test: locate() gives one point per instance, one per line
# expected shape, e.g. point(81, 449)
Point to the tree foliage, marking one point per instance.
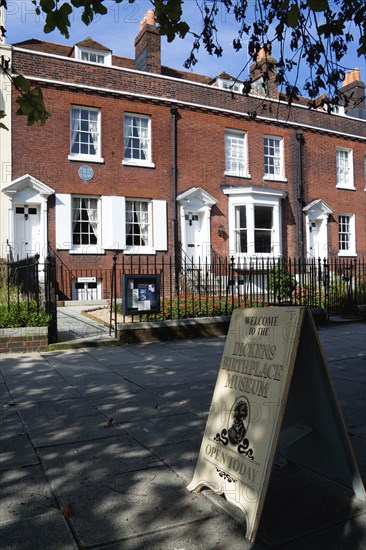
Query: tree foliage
point(314, 33)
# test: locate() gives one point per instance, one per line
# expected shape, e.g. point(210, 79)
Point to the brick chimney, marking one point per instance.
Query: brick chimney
point(264, 70)
point(353, 90)
point(147, 45)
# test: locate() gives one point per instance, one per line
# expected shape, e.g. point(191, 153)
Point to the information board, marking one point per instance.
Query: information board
point(140, 294)
point(264, 400)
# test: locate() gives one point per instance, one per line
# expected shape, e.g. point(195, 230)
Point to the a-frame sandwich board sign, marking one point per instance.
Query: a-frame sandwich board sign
point(273, 394)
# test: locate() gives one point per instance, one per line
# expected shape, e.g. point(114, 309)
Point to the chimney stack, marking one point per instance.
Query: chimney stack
point(147, 45)
point(353, 91)
point(264, 70)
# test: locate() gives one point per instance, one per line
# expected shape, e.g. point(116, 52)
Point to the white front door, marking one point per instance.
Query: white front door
point(315, 244)
point(27, 231)
point(193, 221)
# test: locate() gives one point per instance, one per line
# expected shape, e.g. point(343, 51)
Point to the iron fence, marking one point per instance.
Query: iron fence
point(27, 288)
point(217, 286)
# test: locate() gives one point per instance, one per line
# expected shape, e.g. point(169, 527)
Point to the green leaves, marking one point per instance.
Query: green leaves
point(293, 16)
point(30, 101)
point(168, 14)
point(318, 5)
point(2, 125)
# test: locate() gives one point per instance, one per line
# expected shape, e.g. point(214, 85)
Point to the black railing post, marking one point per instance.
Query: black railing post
point(51, 303)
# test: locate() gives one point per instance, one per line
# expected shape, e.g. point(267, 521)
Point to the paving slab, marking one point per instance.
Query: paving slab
point(72, 465)
point(195, 397)
point(181, 457)
point(301, 503)
point(137, 406)
point(135, 503)
point(36, 532)
point(205, 534)
point(155, 432)
point(152, 375)
point(15, 446)
point(116, 355)
point(25, 493)
point(60, 422)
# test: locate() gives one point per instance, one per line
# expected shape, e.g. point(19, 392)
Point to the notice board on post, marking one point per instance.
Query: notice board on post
point(273, 394)
point(140, 294)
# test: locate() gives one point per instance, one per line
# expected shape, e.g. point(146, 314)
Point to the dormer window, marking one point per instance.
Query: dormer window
point(259, 87)
point(93, 55)
point(230, 85)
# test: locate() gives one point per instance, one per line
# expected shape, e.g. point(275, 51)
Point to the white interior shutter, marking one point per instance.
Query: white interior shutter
point(63, 221)
point(113, 223)
point(160, 234)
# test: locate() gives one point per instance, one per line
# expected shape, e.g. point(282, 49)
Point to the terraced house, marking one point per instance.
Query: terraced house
point(141, 159)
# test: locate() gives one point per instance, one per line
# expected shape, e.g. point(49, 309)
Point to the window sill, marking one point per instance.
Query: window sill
point(235, 175)
point(346, 187)
point(139, 250)
point(347, 254)
point(276, 178)
point(137, 164)
point(86, 158)
point(87, 249)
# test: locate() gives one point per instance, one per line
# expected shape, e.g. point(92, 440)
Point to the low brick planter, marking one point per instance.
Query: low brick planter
point(25, 339)
point(159, 331)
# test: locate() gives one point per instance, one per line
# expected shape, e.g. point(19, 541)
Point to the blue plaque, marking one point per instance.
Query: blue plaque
point(86, 172)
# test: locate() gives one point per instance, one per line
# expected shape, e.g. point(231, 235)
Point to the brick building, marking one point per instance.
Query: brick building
point(142, 159)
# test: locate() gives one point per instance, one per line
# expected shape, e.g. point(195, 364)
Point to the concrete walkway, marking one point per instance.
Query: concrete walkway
point(72, 325)
point(98, 445)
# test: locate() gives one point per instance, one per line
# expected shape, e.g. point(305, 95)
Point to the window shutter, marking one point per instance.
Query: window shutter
point(63, 221)
point(160, 225)
point(113, 223)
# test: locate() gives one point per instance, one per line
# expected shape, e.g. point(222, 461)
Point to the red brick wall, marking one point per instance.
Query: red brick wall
point(43, 151)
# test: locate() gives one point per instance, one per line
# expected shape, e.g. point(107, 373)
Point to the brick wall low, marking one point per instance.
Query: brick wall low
point(25, 339)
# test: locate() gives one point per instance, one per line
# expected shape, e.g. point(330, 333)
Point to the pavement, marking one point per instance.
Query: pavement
point(98, 445)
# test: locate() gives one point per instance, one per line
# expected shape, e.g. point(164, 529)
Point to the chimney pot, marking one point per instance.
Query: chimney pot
point(351, 76)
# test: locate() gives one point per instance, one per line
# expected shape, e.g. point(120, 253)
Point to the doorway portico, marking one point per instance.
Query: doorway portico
point(27, 216)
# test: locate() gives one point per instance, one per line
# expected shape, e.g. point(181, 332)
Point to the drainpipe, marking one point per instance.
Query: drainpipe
point(300, 190)
point(174, 113)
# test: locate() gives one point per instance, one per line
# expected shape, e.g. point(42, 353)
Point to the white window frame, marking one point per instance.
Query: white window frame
point(230, 85)
point(147, 163)
point(105, 57)
point(351, 234)
point(64, 223)
point(236, 165)
point(279, 174)
point(86, 248)
point(157, 233)
point(344, 181)
point(76, 129)
point(139, 249)
point(251, 197)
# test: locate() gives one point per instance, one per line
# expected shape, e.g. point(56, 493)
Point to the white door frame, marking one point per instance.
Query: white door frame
point(317, 212)
point(198, 202)
point(28, 191)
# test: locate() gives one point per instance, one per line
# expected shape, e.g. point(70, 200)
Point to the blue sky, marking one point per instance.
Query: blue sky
point(120, 26)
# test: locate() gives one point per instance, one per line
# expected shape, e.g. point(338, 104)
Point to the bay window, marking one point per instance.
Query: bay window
point(254, 221)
